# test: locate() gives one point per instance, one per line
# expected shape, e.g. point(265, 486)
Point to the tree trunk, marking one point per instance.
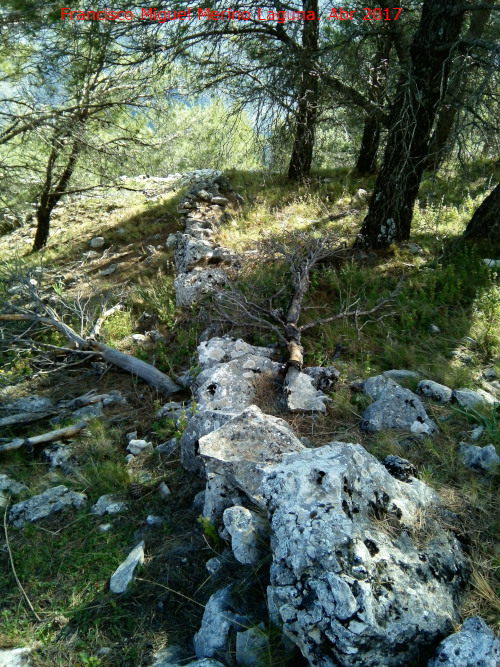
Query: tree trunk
point(50, 195)
point(485, 223)
point(412, 116)
point(367, 158)
point(440, 144)
point(307, 110)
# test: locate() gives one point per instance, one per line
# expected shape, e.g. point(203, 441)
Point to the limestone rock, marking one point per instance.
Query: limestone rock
point(349, 589)
point(238, 451)
point(10, 486)
point(231, 386)
point(220, 350)
point(484, 459)
point(137, 447)
point(247, 532)
point(97, 242)
point(58, 456)
point(123, 575)
point(396, 407)
point(218, 619)
point(399, 374)
point(201, 423)
point(301, 396)
point(108, 504)
point(374, 386)
point(29, 404)
point(435, 391)
point(466, 398)
point(193, 286)
point(88, 412)
point(190, 251)
point(323, 377)
point(45, 504)
point(15, 657)
point(474, 646)
point(252, 647)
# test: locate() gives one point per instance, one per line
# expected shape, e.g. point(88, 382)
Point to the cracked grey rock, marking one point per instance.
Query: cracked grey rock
point(475, 645)
point(192, 287)
point(59, 456)
point(484, 459)
point(218, 620)
point(374, 386)
point(252, 647)
point(89, 412)
point(123, 575)
point(467, 398)
point(348, 591)
point(108, 504)
point(45, 504)
point(10, 486)
point(29, 404)
point(221, 350)
point(200, 424)
point(435, 391)
point(236, 454)
point(399, 468)
point(300, 393)
point(190, 251)
point(247, 532)
point(396, 407)
point(323, 377)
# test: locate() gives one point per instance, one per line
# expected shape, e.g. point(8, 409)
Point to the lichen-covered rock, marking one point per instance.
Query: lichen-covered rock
point(232, 453)
point(399, 468)
point(190, 251)
point(467, 398)
point(201, 423)
point(231, 386)
point(323, 377)
point(300, 393)
point(58, 457)
point(218, 619)
point(474, 646)
point(374, 386)
point(108, 504)
point(10, 486)
point(123, 575)
point(45, 504)
point(396, 407)
point(221, 350)
point(193, 286)
point(363, 573)
point(484, 459)
point(435, 391)
point(247, 532)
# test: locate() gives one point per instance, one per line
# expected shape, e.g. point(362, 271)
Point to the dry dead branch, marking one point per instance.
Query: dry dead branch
point(51, 436)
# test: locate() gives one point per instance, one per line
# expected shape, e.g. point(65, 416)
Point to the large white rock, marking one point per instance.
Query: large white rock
point(124, 574)
point(193, 286)
point(301, 394)
point(220, 350)
point(218, 619)
point(236, 454)
point(45, 504)
point(363, 573)
point(474, 646)
point(467, 398)
point(190, 251)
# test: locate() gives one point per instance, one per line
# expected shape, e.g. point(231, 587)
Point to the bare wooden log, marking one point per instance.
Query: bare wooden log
point(60, 434)
point(138, 368)
point(25, 417)
point(295, 355)
point(96, 329)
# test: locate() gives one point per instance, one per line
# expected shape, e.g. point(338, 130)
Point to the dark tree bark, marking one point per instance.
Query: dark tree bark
point(440, 144)
point(485, 223)
point(51, 194)
point(420, 91)
point(367, 158)
point(307, 110)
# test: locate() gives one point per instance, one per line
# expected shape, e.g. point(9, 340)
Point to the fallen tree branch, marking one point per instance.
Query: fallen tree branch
point(60, 434)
